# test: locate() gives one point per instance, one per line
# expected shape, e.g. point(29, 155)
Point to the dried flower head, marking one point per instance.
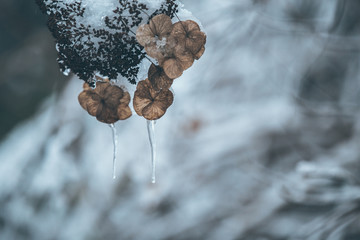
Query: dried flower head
point(189, 34)
point(175, 64)
point(155, 36)
point(149, 103)
point(108, 103)
point(158, 28)
point(158, 79)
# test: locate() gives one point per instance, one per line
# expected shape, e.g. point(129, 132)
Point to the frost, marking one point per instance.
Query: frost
point(66, 72)
point(161, 43)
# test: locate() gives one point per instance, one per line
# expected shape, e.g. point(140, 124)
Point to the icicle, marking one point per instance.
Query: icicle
point(112, 126)
point(151, 133)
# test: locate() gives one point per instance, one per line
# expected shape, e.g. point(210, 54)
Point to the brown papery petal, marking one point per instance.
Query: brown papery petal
point(125, 99)
point(186, 60)
point(200, 53)
point(83, 98)
point(86, 86)
point(158, 78)
point(144, 35)
point(195, 41)
point(101, 87)
point(124, 111)
point(173, 68)
point(161, 25)
point(142, 96)
point(165, 99)
point(106, 115)
point(89, 100)
point(191, 26)
point(179, 30)
point(143, 89)
point(112, 95)
point(93, 105)
point(153, 112)
point(140, 104)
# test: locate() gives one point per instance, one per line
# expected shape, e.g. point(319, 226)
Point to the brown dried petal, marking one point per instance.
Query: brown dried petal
point(140, 104)
point(106, 115)
point(165, 99)
point(93, 104)
point(158, 108)
point(161, 25)
point(200, 53)
point(173, 68)
point(82, 98)
point(125, 99)
point(153, 112)
point(101, 87)
point(192, 26)
point(89, 101)
point(86, 86)
point(195, 41)
point(181, 60)
point(158, 78)
point(144, 35)
point(112, 95)
point(142, 97)
point(186, 59)
point(124, 111)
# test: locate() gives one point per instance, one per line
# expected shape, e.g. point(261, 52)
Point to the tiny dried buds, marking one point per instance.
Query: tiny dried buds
point(108, 103)
point(149, 103)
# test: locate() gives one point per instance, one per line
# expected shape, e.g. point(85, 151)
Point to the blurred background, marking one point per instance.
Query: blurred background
point(261, 143)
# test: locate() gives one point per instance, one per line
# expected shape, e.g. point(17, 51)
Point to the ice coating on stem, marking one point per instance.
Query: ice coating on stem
point(151, 133)
point(114, 135)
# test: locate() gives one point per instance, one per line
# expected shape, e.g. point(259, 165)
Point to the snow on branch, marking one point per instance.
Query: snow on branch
point(98, 37)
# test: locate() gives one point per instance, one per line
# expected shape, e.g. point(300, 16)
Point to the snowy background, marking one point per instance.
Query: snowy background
point(262, 141)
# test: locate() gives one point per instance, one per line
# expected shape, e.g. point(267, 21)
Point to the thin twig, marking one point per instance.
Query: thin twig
point(150, 60)
point(180, 21)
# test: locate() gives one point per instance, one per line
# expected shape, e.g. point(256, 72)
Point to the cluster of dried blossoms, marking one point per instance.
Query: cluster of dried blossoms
point(175, 47)
point(107, 102)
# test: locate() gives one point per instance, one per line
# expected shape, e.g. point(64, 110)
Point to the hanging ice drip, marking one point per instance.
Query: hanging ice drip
point(105, 42)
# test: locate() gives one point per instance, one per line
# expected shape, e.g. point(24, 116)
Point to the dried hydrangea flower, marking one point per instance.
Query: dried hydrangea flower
point(175, 64)
point(158, 79)
point(108, 103)
point(154, 36)
point(189, 34)
point(149, 103)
